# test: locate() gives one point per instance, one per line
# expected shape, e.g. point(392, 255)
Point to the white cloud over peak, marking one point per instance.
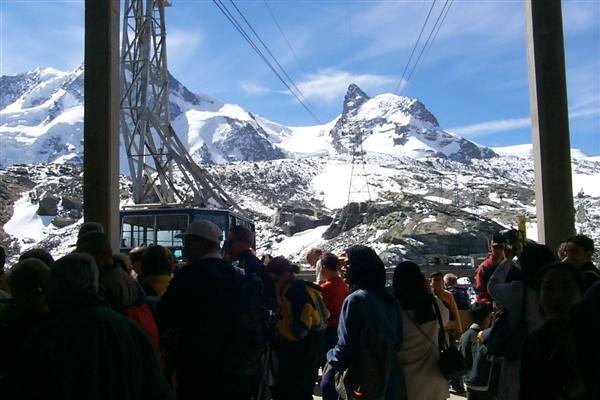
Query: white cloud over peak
point(181, 45)
point(486, 128)
point(328, 85)
point(252, 88)
point(489, 127)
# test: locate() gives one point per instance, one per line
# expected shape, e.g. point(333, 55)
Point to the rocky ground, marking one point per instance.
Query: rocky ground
point(418, 209)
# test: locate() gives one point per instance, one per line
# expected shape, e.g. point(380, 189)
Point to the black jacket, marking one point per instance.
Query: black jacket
point(591, 275)
point(197, 314)
point(88, 352)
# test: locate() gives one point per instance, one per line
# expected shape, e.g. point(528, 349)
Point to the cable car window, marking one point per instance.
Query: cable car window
point(168, 226)
point(218, 219)
point(137, 231)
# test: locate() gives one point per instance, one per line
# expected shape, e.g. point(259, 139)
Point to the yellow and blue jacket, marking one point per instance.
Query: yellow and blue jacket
point(302, 310)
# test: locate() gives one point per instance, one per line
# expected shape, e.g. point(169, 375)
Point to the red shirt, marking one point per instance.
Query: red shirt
point(482, 293)
point(334, 293)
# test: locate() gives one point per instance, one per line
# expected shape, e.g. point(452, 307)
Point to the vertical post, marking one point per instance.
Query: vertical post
point(550, 121)
point(101, 116)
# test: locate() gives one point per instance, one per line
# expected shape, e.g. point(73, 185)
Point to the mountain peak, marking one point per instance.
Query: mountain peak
point(354, 89)
point(354, 99)
point(419, 110)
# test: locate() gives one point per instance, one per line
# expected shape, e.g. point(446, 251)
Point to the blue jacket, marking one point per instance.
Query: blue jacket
point(361, 309)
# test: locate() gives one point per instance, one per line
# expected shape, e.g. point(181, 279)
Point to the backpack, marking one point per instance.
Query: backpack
point(252, 326)
point(319, 311)
point(502, 341)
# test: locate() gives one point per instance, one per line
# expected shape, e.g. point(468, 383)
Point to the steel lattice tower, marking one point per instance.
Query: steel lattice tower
point(152, 147)
point(359, 179)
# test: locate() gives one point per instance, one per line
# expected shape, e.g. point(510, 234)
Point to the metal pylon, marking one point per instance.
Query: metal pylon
point(359, 179)
point(152, 146)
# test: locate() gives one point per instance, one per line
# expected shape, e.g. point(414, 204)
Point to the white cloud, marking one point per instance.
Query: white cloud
point(584, 91)
point(181, 44)
point(486, 128)
point(489, 127)
point(584, 112)
point(580, 16)
point(328, 85)
point(254, 88)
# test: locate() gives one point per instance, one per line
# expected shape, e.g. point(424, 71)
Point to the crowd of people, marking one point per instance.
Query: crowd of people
point(225, 324)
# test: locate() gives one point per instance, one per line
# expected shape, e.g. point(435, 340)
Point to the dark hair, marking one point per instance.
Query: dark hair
point(436, 274)
point(582, 241)
point(411, 291)
point(533, 258)
point(77, 271)
point(155, 261)
point(136, 254)
point(266, 258)
point(479, 311)
point(94, 243)
point(563, 267)
point(330, 261)
point(2, 258)
point(366, 271)
point(241, 233)
point(278, 265)
point(27, 278)
point(90, 226)
point(39, 254)
point(314, 251)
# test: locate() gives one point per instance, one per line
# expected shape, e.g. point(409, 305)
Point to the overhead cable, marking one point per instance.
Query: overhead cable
point(291, 81)
point(284, 36)
point(437, 25)
point(236, 24)
point(415, 47)
point(436, 33)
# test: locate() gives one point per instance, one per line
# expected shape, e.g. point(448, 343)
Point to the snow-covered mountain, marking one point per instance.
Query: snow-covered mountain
point(41, 116)
point(431, 192)
point(398, 125)
point(41, 120)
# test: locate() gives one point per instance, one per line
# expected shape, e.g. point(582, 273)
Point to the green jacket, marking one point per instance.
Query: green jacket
point(89, 352)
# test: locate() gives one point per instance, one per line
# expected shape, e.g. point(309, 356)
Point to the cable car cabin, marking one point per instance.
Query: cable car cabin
point(159, 225)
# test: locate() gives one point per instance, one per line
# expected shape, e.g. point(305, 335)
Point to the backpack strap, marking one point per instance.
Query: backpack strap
point(419, 328)
point(438, 314)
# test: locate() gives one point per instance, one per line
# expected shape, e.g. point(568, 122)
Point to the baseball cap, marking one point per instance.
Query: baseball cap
point(498, 239)
point(205, 230)
point(436, 274)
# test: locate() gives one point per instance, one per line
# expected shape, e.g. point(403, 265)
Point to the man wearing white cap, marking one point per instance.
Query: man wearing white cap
point(201, 239)
point(196, 314)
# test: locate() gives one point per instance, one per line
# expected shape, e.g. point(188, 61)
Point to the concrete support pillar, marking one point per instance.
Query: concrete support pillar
point(550, 121)
point(101, 116)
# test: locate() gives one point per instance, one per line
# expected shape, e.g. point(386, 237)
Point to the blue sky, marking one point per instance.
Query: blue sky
point(474, 78)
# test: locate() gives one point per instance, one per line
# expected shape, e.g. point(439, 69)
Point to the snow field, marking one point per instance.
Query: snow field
point(25, 225)
point(295, 246)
